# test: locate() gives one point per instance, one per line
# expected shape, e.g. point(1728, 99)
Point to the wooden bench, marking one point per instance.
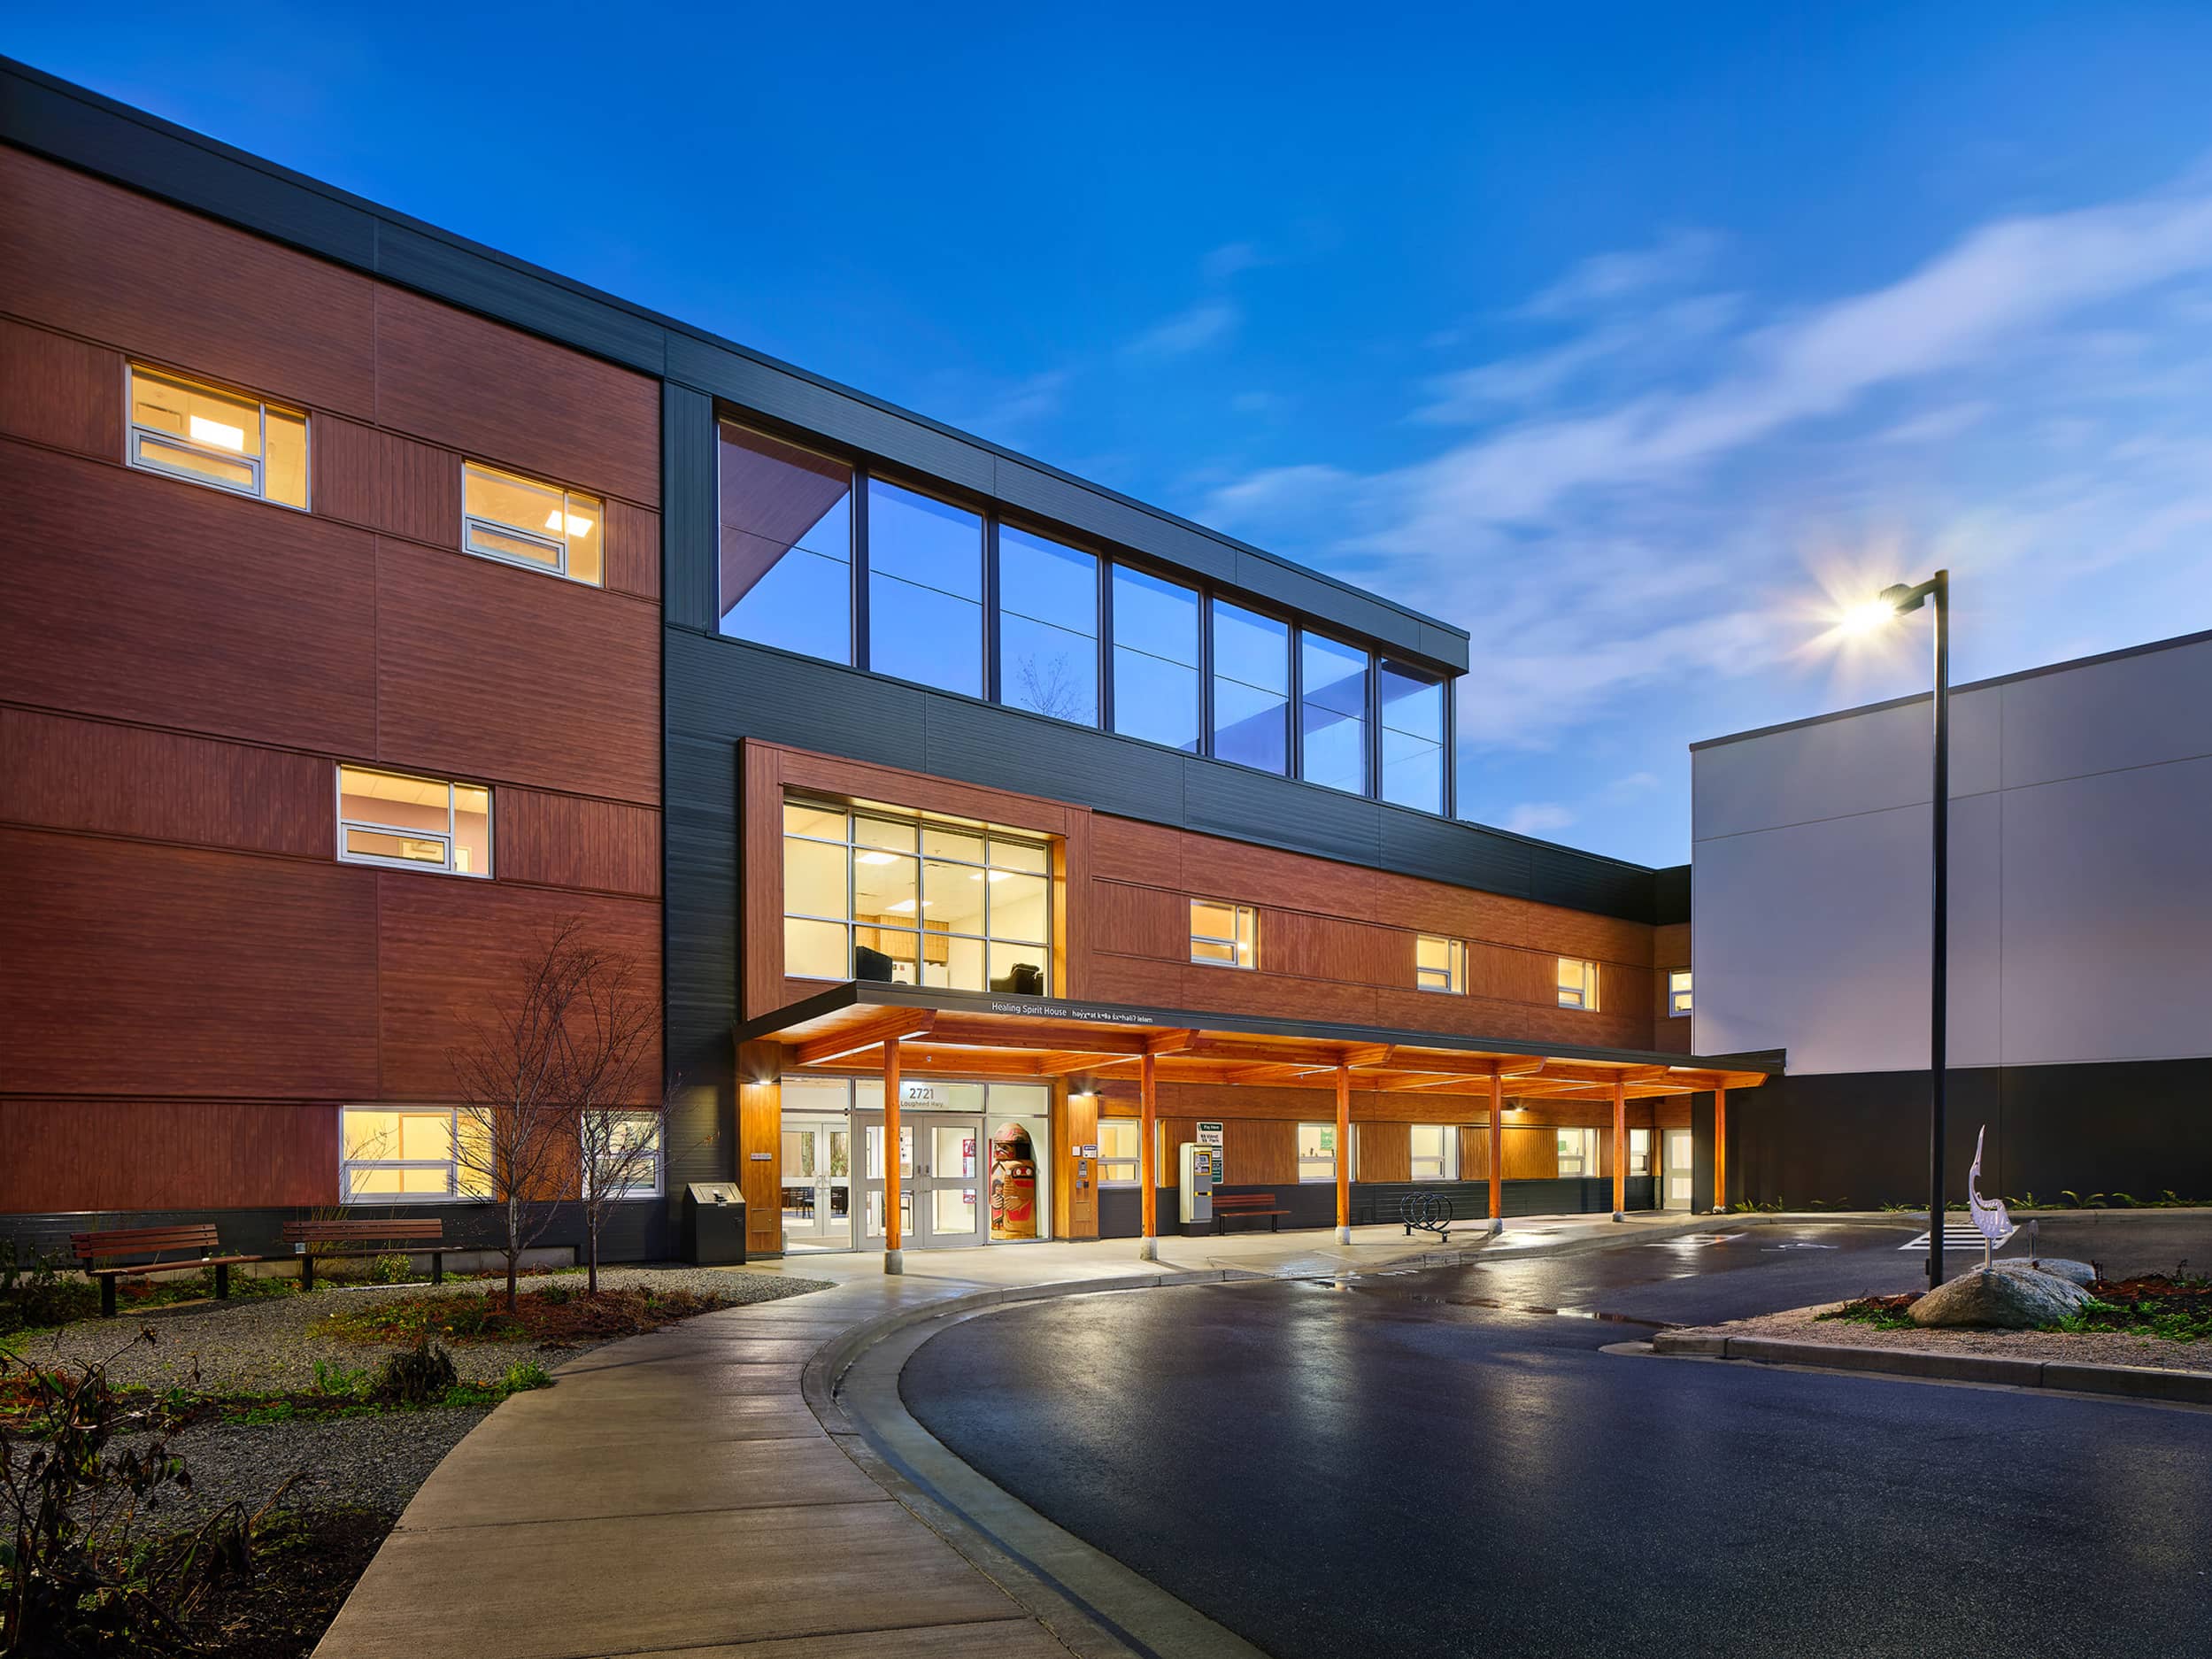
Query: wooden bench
point(1247, 1207)
point(367, 1237)
point(197, 1241)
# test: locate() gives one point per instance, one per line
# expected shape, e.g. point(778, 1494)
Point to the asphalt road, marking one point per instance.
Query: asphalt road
point(1412, 1465)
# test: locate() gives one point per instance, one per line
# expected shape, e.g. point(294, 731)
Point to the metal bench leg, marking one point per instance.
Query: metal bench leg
point(307, 1272)
point(107, 1297)
point(437, 1267)
point(222, 1280)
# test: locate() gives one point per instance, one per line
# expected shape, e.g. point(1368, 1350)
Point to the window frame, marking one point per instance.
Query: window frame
point(1300, 1160)
point(1134, 1163)
point(659, 1158)
point(451, 1165)
point(865, 481)
point(450, 837)
point(1454, 970)
point(995, 526)
point(1369, 785)
point(989, 835)
point(1639, 1153)
point(534, 534)
point(1239, 946)
point(258, 463)
point(1447, 1159)
point(1586, 1160)
point(1584, 1000)
point(1211, 600)
point(1679, 998)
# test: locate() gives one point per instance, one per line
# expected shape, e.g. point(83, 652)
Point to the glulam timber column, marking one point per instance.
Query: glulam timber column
point(1343, 1153)
point(1497, 1149)
point(1720, 1148)
point(1148, 1136)
point(1619, 1150)
point(894, 1254)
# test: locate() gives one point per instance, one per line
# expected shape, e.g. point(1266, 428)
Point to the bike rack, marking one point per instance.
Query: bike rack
point(1426, 1212)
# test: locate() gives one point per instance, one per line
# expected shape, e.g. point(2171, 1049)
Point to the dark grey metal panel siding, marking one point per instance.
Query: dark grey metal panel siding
point(1670, 895)
point(1559, 875)
point(1311, 592)
point(449, 271)
point(1440, 849)
point(986, 744)
point(634, 1231)
point(690, 533)
point(730, 689)
point(1094, 512)
point(702, 911)
point(1232, 800)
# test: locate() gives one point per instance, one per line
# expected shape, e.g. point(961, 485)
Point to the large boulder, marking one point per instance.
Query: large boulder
point(2057, 1267)
point(2016, 1297)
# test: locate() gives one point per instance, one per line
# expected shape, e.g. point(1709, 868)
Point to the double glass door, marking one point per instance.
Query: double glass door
point(941, 1196)
point(817, 1183)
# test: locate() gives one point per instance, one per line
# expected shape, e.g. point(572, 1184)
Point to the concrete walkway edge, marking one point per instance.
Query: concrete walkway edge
point(2147, 1383)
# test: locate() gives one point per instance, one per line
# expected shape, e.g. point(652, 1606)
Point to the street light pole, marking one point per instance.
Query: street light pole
point(1904, 600)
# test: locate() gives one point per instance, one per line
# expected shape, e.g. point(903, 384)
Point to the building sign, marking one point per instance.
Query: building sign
point(1030, 1009)
point(1209, 1134)
point(913, 1093)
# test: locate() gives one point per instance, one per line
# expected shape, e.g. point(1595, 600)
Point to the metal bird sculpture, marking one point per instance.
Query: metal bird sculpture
point(1989, 1219)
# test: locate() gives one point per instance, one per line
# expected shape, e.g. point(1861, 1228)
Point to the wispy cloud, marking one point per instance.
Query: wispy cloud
point(1537, 818)
point(1208, 323)
point(1679, 257)
point(1229, 260)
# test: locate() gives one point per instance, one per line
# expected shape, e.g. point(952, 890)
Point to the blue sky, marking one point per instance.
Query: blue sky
point(1611, 337)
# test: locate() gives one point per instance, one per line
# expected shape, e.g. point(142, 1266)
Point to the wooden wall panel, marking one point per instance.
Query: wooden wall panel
point(632, 550)
point(488, 671)
point(1335, 947)
point(1670, 949)
point(1138, 922)
point(1235, 990)
point(1075, 1124)
point(128, 968)
point(1475, 1151)
point(858, 780)
point(760, 1129)
point(66, 1154)
point(1531, 1154)
point(1106, 977)
point(59, 773)
point(346, 469)
point(1258, 1152)
point(449, 950)
point(1386, 1152)
point(761, 986)
point(95, 259)
point(1535, 1022)
point(255, 621)
point(502, 395)
point(60, 392)
point(419, 492)
point(1124, 850)
point(573, 841)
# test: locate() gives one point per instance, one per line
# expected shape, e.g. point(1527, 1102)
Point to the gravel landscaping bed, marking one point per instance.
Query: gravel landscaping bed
point(269, 1344)
point(2088, 1347)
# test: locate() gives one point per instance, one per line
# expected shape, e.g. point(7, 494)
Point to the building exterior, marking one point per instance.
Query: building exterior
point(377, 602)
point(2081, 906)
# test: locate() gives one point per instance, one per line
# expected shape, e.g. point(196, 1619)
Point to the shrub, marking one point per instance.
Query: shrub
point(339, 1381)
point(37, 1294)
point(418, 1377)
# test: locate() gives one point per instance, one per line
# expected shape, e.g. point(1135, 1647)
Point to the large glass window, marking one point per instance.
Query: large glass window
point(414, 823)
point(1226, 935)
point(870, 894)
point(1252, 688)
point(198, 432)
point(1048, 626)
point(1155, 659)
point(506, 516)
point(1316, 1151)
point(1436, 1151)
point(402, 1155)
point(786, 557)
point(1333, 713)
point(925, 590)
point(1413, 738)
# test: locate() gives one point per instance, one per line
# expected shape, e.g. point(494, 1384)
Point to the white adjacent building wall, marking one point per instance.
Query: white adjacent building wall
point(2081, 875)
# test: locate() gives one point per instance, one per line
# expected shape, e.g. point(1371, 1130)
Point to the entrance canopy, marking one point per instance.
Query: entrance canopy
point(982, 1034)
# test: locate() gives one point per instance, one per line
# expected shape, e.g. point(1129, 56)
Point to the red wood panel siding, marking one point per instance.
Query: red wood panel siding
point(419, 492)
point(126, 969)
point(488, 671)
point(828, 775)
point(95, 259)
point(502, 395)
point(57, 391)
point(449, 951)
point(632, 550)
point(760, 877)
point(147, 598)
point(571, 841)
point(165, 1154)
point(1670, 949)
point(345, 469)
point(59, 773)
point(1139, 921)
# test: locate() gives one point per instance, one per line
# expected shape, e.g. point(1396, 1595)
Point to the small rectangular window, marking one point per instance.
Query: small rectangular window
point(402, 1155)
point(1121, 1140)
point(1316, 1151)
point(1639, 1152)
point(523, 521)
point(1577, 984)
point(1436, 1151)
point(1226, 935)
point(1440, 964)
point(188, 429)
point(627, 1153)
point(1577, 1151)
point(414, 824)
point(1678, 992)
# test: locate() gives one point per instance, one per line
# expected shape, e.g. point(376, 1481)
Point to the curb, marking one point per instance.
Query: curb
point(2131, 1382)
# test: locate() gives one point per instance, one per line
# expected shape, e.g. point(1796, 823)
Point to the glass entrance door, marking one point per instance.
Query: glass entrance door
point(1677, 1148)
point(816, 1184)
point(941, 1194)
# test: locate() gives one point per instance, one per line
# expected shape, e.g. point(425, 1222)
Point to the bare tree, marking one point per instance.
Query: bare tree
point(617, 1145)
point(1051, 687)
point(516, 1142)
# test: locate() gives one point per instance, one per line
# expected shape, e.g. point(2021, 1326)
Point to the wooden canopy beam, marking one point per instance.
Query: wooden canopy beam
point(892, 1025)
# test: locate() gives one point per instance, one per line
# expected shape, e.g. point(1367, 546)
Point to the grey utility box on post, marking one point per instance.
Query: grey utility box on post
point(714, 1223)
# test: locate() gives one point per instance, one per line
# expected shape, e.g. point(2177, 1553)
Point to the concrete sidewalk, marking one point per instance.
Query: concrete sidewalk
point(676, 1493)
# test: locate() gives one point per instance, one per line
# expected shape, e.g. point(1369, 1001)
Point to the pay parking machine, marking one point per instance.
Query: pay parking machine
point(1195, 1183)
